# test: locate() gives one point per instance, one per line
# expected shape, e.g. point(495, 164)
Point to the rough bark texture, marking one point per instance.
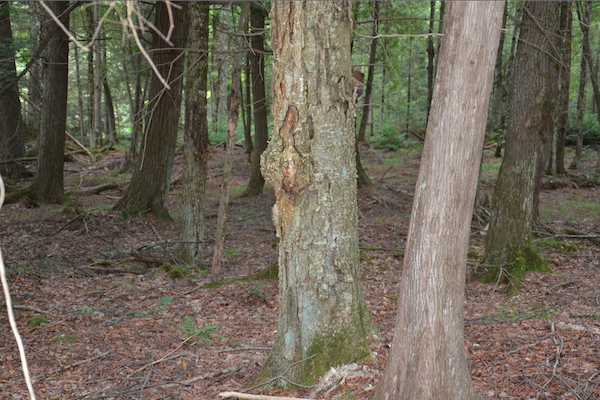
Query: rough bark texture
point(235, 98)
point(195, 137)
point(48, 180)
point(323, 319)
point(152, 177)
point(367, 106)
point(261, 133)
point(530, 126)
point(428, 360)
point(584, 13)
point(12, 137)
point(499, 90)
point(91, 76)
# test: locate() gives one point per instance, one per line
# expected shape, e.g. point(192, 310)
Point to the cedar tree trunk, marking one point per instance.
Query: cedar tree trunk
point(152, 176)
point(310, 162)
point(195, 137)
point(428, 359)
point(12, 138)
point(367, 106)
point(48, 181)
point(530, 126)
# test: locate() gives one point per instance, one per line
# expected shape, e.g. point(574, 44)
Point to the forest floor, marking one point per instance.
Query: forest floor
point(100, 319)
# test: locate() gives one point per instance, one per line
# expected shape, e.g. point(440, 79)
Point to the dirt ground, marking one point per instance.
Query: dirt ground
point(101, 320)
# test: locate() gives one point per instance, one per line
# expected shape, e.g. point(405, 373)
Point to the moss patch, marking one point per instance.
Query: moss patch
point(525, 259)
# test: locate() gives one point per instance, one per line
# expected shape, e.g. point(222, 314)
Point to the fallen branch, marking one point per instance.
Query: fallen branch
point(238, 395)
point(243, 349)
point(80, 145)
point(29, 308)
point(93, 189)
point(62, 369)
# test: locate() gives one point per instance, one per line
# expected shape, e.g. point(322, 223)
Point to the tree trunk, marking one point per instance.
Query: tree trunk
point(323, 318)
point(408, 86)
point(382, 101)
point(430, 56)
point(91, 79)
point(248, 109)
point(369, 86)
point(498, 92)
point(235, 98)
point(48, 180)
point(530, 126)
point(152, 177)
point(220, 64)
point(12, 133)
point(580, 109)
point(98, 79)
point(33, 121)
point(110, 115)
point(566, 28)
point(584, 13)
point(79, 96)
point(195, 137)
point(261, 133)
point(428, 359)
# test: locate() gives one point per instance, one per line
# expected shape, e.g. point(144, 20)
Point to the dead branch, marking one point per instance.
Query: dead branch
point(30, 308)
point(80, 145)
point(93, 189)
point(238, 395)
point(62, 369)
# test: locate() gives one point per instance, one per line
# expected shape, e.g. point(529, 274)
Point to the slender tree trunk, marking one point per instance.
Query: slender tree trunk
point(195, 140)
point(220, 63)
point(530, 126)
point(91, 78)
point(98, 81)
point(248, 109)
point(79, 96)
point(323, 319)
point(33, 121)
point(369, 86)
point(428, 359)
point(111, 130)
point(566, 28)
point(409, 76)
point(12, 133)
point(580, 109)
point(430, 57)
point(261, 134)
point(382, 101)
point(498, 95)
point(152, 176)
point(235, 98)
point(48, 181)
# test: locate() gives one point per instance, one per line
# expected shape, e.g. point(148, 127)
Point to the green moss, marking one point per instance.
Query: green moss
point(525, 259)
point(211, 285)
point(36, 321)
point(333, 349)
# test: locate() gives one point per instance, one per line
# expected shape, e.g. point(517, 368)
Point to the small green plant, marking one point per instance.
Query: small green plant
point(232, 252)
point(60, 339)
point(234, 191)
point(35, 322)
point(190, 330)
point(256, 289)
point(163, 304)
point(89, 311)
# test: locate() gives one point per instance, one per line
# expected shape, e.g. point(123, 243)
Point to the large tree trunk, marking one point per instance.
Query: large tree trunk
point(428, 359)
point(195, 137)
point(33, 120)
point(261, 134)
point(48, 181)
point(530, 126)
point(12, 136)
point(584, 14)
point(323, 318)
point(368, 99)
point(152, 177)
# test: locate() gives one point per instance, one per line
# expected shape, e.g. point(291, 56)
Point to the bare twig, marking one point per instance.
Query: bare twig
point(245, 396)
point(30, 308)
point(282, 376)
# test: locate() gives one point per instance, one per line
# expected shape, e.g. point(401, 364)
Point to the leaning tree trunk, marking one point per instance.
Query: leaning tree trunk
point(428, 359)
point(195, 137)
point(530, 125)
point(323, 318)
point(12, 137)
point(48, 181)
point(261, 133)
point(152, 177)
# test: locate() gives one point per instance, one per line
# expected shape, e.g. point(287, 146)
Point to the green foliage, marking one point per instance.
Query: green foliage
point(234, 191)
point(64, 339)
point(255, 289)
point(35, 322)
point(89, 311)
point(175, 272)
point(190, 330)
point(135, 313)
point(16, 270)
point(163, 304)
point(232, 252)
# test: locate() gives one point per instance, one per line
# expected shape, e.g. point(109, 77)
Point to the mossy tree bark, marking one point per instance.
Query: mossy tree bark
point(195, 137)
point(12, 136)
point(530, 126)
point(152, 177)
point(48, 181)
point(310, 162)
point(428, 359)
point(261, 133)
